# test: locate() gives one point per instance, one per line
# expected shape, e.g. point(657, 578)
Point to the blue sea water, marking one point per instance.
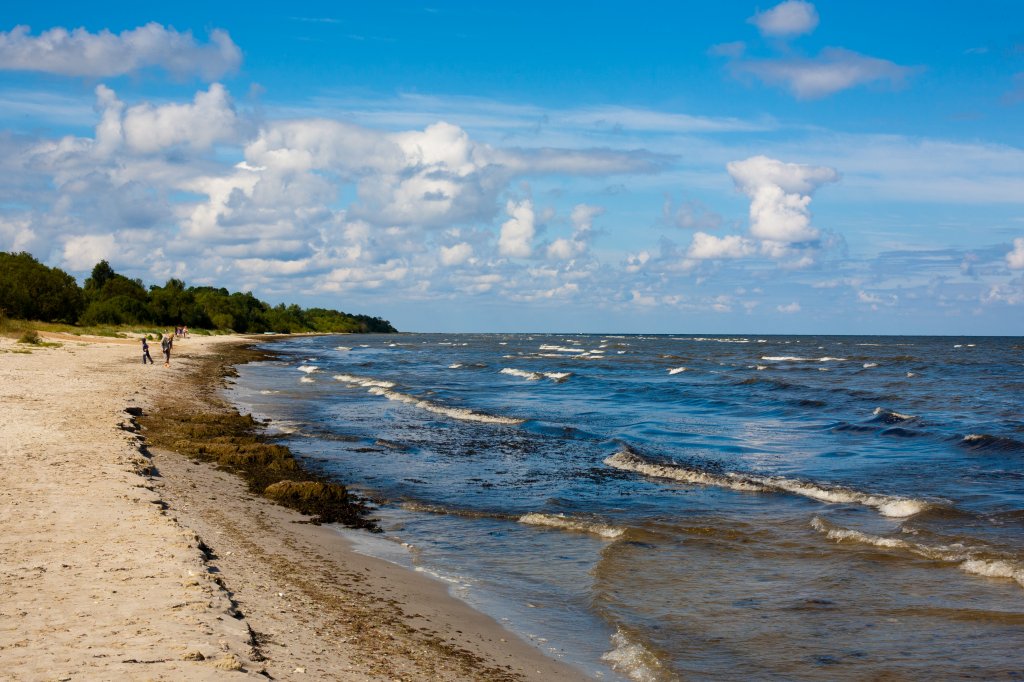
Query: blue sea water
point(680, 507)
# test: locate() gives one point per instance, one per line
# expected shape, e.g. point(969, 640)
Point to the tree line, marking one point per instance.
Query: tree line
point(32, 291)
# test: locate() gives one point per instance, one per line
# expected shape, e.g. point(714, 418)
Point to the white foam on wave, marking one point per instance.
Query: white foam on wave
point(830, 359)
point(560, 349)
point(308, 369)
point(308, 380)
point(677, 370)
point(557, 377)
point(365, 382)
point(967, 559)
point(892, 414)
point(461, 413)
point(869, 365)
point(705, 338)
point(455, 365)
point(268, 392)
point(887, 505)
point(522, 373)
point(342, 348)
point(632, 659)
point(564, 522)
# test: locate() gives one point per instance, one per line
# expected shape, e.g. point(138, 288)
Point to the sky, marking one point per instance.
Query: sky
point(606, 167)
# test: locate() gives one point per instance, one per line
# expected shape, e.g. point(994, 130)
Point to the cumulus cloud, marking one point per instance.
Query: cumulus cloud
point(789, 308)
point(709, 247)
point(780, 197)
point(456, 254)
point(582, 218)
point(787, 19)
point(84, 251)
point(208, 119)
point(147, 128)
point(517, 232)
point(105, 54)
point(833, 70)
point(1015, 258)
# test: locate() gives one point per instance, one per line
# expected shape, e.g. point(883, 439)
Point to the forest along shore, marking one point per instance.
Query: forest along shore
point(121, 559)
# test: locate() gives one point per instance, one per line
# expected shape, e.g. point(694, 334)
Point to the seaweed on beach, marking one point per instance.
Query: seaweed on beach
point(207, 429)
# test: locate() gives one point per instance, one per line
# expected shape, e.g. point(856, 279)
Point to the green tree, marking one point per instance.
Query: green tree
point(33, 291)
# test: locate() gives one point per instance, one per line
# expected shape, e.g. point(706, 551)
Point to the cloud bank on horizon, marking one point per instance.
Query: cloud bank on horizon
point(457, 212)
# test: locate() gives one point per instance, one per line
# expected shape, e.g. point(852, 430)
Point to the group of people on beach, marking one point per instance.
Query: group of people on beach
point(166, 344)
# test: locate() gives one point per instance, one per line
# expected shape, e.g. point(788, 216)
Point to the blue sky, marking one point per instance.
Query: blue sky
point(827, 167)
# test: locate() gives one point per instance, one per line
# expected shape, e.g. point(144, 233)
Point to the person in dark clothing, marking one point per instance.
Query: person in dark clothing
point(145, 352)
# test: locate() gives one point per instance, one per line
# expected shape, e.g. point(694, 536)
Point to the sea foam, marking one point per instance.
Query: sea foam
point(974, 560)
point(557, 377)
point(365, 382)
point(563, 522)
point(460, 413)
point(886, 505)
point(632, 659)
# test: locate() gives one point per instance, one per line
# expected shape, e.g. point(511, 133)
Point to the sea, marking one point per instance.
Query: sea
point(684, 507)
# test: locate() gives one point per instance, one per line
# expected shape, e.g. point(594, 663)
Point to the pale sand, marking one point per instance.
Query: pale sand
point(107, 571)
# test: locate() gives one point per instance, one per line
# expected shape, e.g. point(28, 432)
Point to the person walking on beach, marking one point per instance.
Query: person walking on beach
point(145, 352)
point(165, 346)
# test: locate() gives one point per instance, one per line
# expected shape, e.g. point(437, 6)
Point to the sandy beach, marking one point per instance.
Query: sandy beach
point(117, 560)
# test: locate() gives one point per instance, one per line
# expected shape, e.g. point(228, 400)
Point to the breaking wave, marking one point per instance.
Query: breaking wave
point(308, 369)
point(969, 560)
point(677, 370)
point(365, 382)
point(887, 505)
point(891, 416)
point(633, 660)
point(563, 522)
point(460, 413)
point(557, 377)
point(983, 441)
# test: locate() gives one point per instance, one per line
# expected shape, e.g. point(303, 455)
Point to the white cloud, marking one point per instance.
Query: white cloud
point(1011, 293)
point(780, 195)
point(104, 54)
point(789, 308)
point(787, 19)
point(833, 70)
point(582, 218)
point(83, 252)
point(210, 118)
point(456, 254)
point(1015, 258)
point(517, 232)
point(16, 234)
point(709, 247)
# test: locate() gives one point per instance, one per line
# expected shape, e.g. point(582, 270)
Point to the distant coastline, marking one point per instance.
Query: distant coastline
point(29, 290)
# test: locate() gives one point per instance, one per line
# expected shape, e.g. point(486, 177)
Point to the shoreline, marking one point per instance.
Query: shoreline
point(222, 582)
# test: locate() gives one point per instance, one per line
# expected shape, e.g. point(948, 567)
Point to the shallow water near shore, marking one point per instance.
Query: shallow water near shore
point(663, 507)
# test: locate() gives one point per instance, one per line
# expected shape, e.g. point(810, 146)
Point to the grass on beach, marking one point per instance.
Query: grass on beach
point(13, 328)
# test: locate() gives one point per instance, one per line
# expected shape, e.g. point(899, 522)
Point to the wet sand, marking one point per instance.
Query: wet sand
point(117, 560)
